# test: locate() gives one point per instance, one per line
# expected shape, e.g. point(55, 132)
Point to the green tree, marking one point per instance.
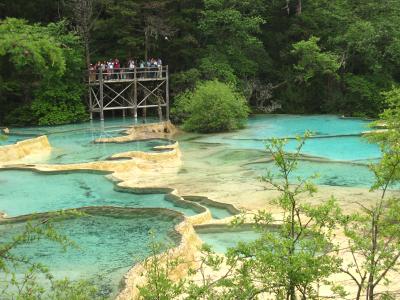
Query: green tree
point(59, 98)
point(299, 255)
point(212, 107)
point(374, 234)
point(312, 62)
point(293, 256)
point(41, 74)
point(242, 43)
point(159, 268)
point(230, 31)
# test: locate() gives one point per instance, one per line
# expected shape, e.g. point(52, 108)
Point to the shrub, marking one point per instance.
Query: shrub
point(212, 107)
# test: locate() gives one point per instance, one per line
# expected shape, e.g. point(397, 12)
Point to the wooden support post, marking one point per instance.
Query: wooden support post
point(135, 103)
point(145, 108)
point(146, 95)
point(90, 102)
point(101, 83)
point(160, 116)
point(167, 93)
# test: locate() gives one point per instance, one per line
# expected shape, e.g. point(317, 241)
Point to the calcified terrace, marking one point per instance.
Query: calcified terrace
point(19, 158)
point(224, 167)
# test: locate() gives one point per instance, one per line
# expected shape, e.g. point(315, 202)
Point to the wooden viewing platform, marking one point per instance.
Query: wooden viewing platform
point(129, 90)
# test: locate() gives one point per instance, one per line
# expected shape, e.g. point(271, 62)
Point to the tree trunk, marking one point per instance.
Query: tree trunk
point(287, 7)
point(358, 296)
point(298, 8)
point(371, 277)
point(292, 290)
point(146, 45)
point(87, 50)
point(83, 14)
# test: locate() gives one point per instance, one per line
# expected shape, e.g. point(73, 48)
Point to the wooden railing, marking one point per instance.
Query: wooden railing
point(128, 74)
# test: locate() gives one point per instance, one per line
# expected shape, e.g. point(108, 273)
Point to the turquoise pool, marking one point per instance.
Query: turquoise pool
point(115, 238)
point(74, 143)
point(12, 139)
point(99, 129)
point(334, 138)
point(77, 147)
point(217, 211)
point(281, 126)
point(222, 237)
point(26, 192)
point(332, 174)
point(110, 241)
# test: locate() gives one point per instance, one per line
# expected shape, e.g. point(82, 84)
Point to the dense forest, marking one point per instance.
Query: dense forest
point(291, 56)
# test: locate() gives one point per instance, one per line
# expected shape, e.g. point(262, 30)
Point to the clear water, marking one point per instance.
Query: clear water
point(110, 242)
point(12, 139)
point(96, 125)
point(267, 126)
point(26, 192)
point(283, 126)
point(74, 143)
point(216, 211)
point(332, 174)
point(339, 148)
point(334, 138)
point(108, 128)
point(113, 242)
point(77, 147)
point(220, 238)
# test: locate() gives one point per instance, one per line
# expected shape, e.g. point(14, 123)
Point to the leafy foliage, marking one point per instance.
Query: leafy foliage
point(21, 278)
point(300, 254)
point(230, 28)
point(212, 107)
point(159, 269)
point(294, 254)
point(320, 56)
point(313, 62)
point(373, 234)
point(40, 67)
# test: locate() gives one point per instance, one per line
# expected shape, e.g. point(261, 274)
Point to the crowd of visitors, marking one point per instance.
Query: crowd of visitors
point(114, 70)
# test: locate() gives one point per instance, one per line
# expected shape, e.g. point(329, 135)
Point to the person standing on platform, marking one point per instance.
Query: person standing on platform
point(110, 69)
point(131, 66)
point(92, 73)
point(117, 69)
point(104, 69)
point(159, 63)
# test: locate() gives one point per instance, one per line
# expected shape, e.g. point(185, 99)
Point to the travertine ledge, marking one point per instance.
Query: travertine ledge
point(186, 251)
point(23, 149)
point(143, 132)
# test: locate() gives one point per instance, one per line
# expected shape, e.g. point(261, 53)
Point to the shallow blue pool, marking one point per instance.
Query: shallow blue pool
point(332, 174)
point(26, 192)
point(334, 138)
point(223, 237)
point(268, 126)
point(113, 240)
point(12, 139)
point(75, 143)
point(109, 242)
